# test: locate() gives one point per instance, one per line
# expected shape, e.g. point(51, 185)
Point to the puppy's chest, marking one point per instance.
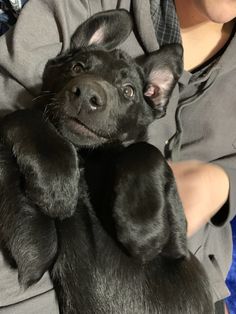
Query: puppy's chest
point(96, 279)
point(92, 263)
point(94, 271)
point(89, 255)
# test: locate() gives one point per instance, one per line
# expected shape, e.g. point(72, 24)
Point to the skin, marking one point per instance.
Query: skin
point(205, 28)
point(218, 11)
point(203, 189)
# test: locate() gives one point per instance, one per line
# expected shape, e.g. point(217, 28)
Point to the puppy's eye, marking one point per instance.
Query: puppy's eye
point(128, 91)
point(78, 68)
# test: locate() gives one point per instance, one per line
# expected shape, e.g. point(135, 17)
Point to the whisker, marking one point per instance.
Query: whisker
point(52, 110)
point(42, 95)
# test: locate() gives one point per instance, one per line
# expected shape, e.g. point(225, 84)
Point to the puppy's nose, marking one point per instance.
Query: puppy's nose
point(89, 96)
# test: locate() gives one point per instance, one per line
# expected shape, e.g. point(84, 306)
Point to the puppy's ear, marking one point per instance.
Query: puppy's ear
point(106, 29)
point(162, 70)
point(147, 211)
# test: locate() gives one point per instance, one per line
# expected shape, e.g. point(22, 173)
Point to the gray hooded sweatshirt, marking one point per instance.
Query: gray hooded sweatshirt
point(200, 123)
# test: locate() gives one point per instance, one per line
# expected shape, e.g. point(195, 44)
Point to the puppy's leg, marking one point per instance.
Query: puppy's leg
point(29, 236)
point(47, 161)
point(147, 210)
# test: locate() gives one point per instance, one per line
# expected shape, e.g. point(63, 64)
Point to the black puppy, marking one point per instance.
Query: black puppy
point(85, 196)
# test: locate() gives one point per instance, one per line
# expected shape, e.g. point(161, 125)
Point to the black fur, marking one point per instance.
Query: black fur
point(85, 196)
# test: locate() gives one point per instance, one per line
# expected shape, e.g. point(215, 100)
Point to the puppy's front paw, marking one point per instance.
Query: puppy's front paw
point(34, 247)
point(149, 218)
point(47, 162)
point(52, 183)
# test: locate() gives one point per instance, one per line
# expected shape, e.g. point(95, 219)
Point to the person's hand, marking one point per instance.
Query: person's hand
point(203, 189)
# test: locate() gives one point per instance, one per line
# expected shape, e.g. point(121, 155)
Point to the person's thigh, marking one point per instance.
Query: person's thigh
point(41, 304)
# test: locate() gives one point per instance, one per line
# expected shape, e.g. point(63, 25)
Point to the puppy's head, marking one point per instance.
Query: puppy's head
point(101, 94)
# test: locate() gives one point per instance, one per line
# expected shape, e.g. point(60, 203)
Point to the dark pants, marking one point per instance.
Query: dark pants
point(220, 307)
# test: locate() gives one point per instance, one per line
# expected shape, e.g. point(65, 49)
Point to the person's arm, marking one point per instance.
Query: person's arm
point(203, 189)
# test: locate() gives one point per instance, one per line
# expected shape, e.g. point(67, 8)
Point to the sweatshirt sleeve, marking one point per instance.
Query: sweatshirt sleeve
point(43, 30)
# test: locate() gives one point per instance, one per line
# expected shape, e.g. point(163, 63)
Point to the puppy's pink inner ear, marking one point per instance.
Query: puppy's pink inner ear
point(97, 37)
point(152, 91)
point(158, 81)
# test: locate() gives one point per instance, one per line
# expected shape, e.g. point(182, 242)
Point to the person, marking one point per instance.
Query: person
point(197, 135)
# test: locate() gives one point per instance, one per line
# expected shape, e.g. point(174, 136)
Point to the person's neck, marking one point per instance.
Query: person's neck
point(201, 37)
